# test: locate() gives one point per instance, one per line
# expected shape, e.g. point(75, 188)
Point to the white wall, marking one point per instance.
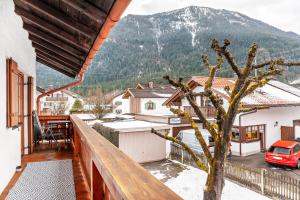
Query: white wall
point(142, 146)
point(159, 108)
point(14, 43)
point(284, 116)
point(69, 102)
point(124, 107)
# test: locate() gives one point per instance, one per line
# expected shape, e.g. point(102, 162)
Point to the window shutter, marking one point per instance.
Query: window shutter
point(13, 94)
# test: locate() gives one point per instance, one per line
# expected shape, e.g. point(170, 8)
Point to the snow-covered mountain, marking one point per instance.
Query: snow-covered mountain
point(143, 47)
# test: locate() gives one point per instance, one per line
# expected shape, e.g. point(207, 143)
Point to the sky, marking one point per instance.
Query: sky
point(283, 14)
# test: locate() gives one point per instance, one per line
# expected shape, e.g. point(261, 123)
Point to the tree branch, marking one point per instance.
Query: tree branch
point(224, 51)
point(186, 90)
point(197, 133)
point(198, 161)
point(243, 109)
point(278, 62)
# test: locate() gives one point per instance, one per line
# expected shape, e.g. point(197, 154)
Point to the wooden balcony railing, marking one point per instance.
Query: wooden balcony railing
point(110, 173)
point(209, 112)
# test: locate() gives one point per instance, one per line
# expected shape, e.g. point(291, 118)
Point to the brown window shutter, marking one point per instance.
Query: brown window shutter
point(13, 94)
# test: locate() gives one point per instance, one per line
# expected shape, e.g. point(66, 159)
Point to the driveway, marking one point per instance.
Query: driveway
point(258, 161)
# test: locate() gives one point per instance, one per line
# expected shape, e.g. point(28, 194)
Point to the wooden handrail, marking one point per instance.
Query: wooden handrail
point(112, 173)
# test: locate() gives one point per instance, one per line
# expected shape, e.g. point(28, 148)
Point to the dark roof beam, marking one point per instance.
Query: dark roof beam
point(56, 51)
point(54, 41)
point(52, 29)
point(88, 9)
point(58, 16)
point(61, 66)
point(40, 60)
point(57, 59)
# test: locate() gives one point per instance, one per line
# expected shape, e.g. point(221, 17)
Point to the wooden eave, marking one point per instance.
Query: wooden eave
point(63, 31)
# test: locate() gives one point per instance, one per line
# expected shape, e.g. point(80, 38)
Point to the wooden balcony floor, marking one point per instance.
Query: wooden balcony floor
point(46, 153)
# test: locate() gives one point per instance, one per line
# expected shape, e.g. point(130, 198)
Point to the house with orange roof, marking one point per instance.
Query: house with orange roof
point(253, 131)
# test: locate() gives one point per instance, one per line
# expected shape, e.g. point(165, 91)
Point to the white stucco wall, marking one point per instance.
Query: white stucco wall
point(283, 115)
point(142, 146)
point(124, 107)
point(14, 43)
point(69, 102)
point(159, 108)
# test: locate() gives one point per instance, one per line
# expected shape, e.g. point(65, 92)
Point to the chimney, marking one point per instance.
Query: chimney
point(50, 87)
point(150, 84)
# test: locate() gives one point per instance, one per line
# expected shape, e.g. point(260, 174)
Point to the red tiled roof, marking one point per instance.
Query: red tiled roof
point(268, 95)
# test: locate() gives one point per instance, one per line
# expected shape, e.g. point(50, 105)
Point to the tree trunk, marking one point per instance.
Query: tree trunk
point(215, 178)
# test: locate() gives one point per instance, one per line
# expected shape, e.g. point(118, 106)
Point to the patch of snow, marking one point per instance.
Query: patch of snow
point(236, 22)
point(158, 174)
point(157, 32)
point(131, 123)
point(191, 24)
point(162, 95)
point(190, 182)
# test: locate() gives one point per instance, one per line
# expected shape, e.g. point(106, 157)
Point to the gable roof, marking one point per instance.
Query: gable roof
point(273, 94)
point(149, 93)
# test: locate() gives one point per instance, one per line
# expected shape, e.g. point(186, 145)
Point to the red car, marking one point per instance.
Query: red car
point(284, 153)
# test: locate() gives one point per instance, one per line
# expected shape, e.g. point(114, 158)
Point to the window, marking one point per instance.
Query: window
point(118, 103)
point(235, 134)
point(296, 148)
point(279, 150)
point(150, 105)
point(118, 111)
point(15, 94)
point(251, 133)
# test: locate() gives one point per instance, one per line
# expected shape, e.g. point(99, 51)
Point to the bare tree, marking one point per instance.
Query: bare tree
point(59, 108)
point(98, 100)
point(246, 82)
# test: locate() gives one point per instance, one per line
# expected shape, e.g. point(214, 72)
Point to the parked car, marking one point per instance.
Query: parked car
point(188, 136)
point(284, 152)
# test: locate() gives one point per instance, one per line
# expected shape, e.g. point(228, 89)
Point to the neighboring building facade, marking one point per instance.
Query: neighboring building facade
point(59, 102)
point(14, 125)
point(252, 132)
point(150, 99)
point(120, 105)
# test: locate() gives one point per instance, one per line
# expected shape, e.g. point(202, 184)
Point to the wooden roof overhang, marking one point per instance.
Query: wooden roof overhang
point(64, 32)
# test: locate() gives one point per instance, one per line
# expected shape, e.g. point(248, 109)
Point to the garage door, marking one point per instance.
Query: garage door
point(142, 146)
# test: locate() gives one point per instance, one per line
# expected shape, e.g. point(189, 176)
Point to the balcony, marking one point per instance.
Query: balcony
point(209, 112)
point(101, 170)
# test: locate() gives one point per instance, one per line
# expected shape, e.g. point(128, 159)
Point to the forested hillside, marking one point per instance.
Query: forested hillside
point(142, 48)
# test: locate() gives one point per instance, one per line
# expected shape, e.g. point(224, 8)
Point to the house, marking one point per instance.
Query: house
point(119, 104)
point(60, 102)
point(135, 139)
point(255, 131)
point(65, 36)
point(149, 99)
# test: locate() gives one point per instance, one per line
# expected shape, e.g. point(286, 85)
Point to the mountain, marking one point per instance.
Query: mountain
point(145, 47)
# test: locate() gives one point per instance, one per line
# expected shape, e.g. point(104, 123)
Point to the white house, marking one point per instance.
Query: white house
point(149, 100)
point(254, 131)
point(120, 105)
point(61, 100)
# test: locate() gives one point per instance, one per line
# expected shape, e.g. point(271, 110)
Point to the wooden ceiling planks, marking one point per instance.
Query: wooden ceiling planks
point(63, 31)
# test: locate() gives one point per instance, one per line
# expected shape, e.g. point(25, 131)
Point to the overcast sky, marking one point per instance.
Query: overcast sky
point(283, 14)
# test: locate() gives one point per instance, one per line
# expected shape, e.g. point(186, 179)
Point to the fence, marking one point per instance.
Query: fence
point(270, 183)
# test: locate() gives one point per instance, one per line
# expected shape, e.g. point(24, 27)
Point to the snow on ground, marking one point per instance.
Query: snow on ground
point(190, 181)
